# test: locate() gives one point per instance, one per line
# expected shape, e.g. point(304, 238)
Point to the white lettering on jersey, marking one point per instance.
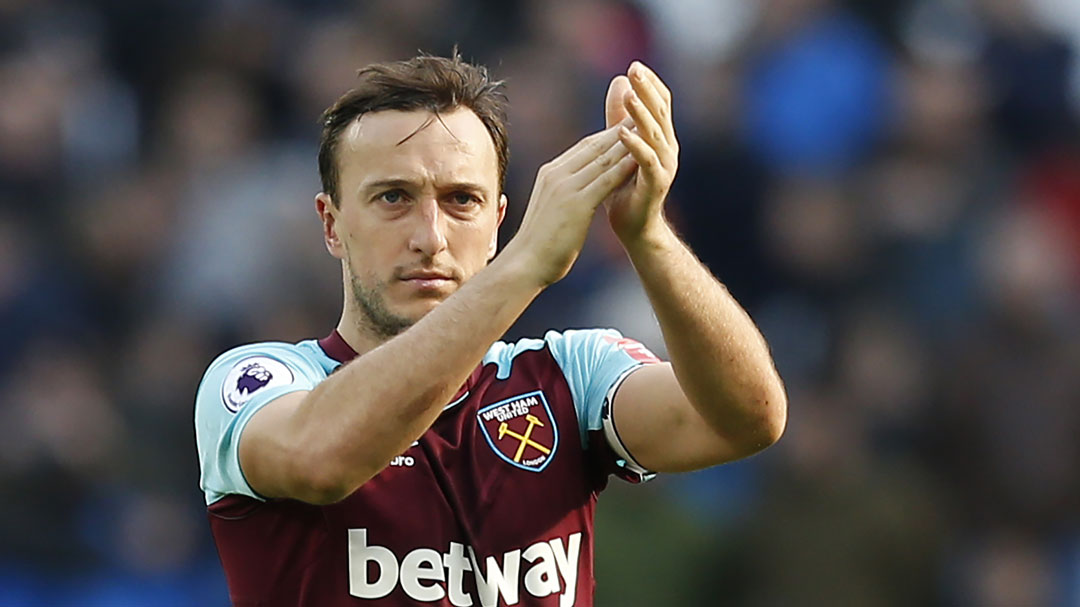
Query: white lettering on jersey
point(564, 559)
point(423, 564)
point(543, 577)
point(502, 581)
point(359, 555)
point(456, 565)
point(512, 409)
point(427, 575)
point(403, 460)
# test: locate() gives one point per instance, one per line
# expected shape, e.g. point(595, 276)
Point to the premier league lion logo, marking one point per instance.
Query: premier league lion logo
point(251, 375)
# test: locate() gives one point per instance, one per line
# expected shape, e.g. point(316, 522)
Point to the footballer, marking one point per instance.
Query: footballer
point(410, 457)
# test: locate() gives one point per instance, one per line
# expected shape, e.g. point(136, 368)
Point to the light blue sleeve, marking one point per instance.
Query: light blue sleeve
point(594, 362)
point(236, 385)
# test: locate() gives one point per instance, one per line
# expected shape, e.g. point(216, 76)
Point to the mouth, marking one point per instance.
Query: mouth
point(428, 281)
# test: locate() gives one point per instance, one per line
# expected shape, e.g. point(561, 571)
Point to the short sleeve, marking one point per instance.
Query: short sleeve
point(235, 386)
point(595, 362)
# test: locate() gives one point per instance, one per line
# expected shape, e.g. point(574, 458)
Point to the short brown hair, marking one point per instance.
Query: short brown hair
point(438, 84)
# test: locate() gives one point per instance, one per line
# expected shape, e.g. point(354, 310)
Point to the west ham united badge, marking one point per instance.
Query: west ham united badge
point(521, 430)
point(251, 375)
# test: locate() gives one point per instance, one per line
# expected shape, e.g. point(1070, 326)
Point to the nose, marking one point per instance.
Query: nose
point(428, 235)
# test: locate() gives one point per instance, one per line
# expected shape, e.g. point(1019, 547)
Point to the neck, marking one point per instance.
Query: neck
point(353, 330)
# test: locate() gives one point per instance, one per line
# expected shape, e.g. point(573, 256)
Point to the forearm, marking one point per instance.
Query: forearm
point(375, 406)
point(720, 358)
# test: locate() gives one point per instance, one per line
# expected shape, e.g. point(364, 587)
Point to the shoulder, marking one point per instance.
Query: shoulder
point(554, 339)
point(307, 352)
point(236, 385)
point(562, 345)
point(237, 374)
point(595, 346)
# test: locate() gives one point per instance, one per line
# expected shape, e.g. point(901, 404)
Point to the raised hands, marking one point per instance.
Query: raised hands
point(566, 194)
point(642, 97)
point(629, 167)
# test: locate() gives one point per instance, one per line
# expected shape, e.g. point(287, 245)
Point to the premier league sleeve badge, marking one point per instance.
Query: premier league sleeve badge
point(250, 375)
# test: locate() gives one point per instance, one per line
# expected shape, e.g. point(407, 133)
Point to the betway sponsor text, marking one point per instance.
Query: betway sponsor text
point(425, 574)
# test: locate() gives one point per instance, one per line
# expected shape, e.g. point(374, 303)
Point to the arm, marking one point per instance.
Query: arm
point(720, 398)
point(319, 446)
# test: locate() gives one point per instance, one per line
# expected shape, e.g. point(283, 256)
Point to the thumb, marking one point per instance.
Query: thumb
point(614, 110)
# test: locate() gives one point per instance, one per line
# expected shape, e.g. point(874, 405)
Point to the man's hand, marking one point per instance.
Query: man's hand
point(564, 198)
point(638, 204)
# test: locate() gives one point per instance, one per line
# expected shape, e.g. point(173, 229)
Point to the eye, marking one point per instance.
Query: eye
point(391, 196)
point(463, 198)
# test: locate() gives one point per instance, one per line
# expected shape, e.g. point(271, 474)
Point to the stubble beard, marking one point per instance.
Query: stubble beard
point(376, 318)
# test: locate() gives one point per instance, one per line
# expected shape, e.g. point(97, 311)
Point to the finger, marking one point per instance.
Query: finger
point(644, 156)
point(654, 79)
point(645, 122)
point(612, 177)
point(614, 111)
point(656, 96)
point(600, 164)
point(586, 150)
point(654, 100)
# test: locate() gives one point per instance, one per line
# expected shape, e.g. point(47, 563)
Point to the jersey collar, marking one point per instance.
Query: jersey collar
point(337, 348)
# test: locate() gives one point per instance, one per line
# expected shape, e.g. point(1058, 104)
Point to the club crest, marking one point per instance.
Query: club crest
point(251, 375)
point(521, 430)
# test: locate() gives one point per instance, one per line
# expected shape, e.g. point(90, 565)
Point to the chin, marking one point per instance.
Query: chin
point(419, 309)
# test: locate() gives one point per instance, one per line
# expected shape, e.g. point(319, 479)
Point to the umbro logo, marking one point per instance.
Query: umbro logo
point(404, 460)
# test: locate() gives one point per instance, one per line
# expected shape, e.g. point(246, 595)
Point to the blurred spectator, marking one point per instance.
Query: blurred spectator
point(1029, 71)
point(816, 91)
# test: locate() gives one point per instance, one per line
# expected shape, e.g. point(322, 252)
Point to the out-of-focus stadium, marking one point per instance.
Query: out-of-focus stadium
point(892, 189)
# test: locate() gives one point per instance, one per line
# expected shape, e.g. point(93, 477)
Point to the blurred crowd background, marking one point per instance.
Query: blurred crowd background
point(892, 189)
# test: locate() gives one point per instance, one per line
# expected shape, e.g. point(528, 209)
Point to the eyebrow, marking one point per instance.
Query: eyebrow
point(399, 182)
point(385, 183)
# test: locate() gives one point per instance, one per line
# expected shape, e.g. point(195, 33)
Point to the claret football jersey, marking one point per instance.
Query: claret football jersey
point(493, 505)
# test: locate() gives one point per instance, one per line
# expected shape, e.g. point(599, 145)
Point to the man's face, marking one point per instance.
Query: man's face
point(418, 212)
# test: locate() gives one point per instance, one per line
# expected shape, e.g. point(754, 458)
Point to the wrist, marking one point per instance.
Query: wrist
point(653, 236)
point(515, 264)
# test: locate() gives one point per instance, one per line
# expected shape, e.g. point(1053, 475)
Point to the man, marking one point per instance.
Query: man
point(405, 459)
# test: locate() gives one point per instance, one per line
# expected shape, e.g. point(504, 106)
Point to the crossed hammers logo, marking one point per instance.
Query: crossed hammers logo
point(504, 430)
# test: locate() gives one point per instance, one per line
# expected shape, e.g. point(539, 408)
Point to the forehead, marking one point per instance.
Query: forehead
point(418, 146)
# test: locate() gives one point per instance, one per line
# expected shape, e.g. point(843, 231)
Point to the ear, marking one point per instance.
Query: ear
point(324, 206)
point(614, 109)
point(501, 212)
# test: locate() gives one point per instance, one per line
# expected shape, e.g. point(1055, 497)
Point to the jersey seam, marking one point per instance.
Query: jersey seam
point(582, 433)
